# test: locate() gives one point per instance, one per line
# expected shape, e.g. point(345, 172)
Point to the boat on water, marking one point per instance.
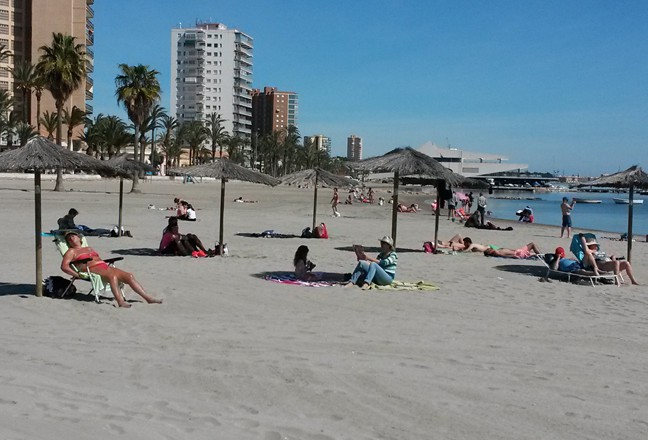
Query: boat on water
point(591, 201)
point(627, 201)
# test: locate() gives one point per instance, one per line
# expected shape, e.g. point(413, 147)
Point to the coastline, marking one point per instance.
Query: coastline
point(493, 354)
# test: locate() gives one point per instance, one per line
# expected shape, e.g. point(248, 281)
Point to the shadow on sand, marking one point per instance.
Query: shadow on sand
point(376, 249)
point(139, 252)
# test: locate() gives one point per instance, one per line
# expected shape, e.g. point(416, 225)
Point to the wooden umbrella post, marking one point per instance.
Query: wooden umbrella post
point(121, 204)
point(630, 214)
point(395, 208)
point(38, 230)
point(315, 205)
point(222, 217)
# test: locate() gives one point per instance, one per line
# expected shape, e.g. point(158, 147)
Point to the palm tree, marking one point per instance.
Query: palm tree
point(91, 134)
point(24, 76)
point(73, 119)
point(157, 113)
point(217, 133)
point(236, 149)
point(137, 89)
point(4, 53)
point(289, 147)
point(49, 121)
point(195, 135)
point(25, 132)
point(114, 135)
point(38, 87)
point(62, 67)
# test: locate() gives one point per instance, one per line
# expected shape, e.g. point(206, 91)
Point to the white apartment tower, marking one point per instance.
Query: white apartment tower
point(354, 148)
point(211, 72)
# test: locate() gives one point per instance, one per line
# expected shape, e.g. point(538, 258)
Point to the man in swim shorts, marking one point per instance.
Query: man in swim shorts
point(566, 210)
point(523, 252)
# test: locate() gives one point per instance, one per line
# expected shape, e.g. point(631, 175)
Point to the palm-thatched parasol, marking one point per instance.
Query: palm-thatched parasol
point(314, 177)
point(128, 167)
point(225, 169)
point(404, 162)
point(633, 177)
point(40, 154)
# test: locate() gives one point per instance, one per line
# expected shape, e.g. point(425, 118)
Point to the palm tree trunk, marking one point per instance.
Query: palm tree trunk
point(25, 117)
point(59, 172)
point(135, 188)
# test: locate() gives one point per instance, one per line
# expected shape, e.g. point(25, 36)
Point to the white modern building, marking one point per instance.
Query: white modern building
point(211, 72)
point(354, 148)
point(470, 163)
point(320, 142)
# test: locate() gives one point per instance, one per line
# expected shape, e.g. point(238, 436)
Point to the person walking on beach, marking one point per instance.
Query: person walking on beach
point(566, 209)
point(481, 207)
point(452, 205)
point(335, 201)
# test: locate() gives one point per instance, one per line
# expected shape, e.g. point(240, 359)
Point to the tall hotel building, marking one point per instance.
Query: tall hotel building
point(354, 148)
point(273, 110)
point(26, 25)
point(211, 72)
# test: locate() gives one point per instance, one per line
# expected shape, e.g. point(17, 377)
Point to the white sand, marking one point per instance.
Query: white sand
point(494, 354)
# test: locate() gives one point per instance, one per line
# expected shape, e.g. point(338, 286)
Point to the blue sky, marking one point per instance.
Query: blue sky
point(560, 85)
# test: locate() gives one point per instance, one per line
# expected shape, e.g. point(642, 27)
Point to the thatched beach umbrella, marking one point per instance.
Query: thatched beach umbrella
point(40, 154)
point(633, 177)
point(129, 167)
point(225, 169)
point(315, 177)
point(407, 162)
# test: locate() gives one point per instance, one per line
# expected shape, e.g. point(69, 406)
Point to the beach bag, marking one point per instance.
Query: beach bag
point(57, 287)
point(307, 233)
point(428, 247)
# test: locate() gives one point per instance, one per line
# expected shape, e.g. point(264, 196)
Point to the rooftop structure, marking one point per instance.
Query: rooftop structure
point(470, 163)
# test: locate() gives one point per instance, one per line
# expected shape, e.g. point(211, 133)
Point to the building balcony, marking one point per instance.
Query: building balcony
point(89, 12)
point(89, 107)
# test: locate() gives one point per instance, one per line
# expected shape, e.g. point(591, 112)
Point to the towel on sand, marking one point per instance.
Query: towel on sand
point(289, 278)
point(404, 285)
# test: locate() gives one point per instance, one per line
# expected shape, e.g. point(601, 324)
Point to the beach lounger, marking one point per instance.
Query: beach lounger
point(576, 247)
point(593, 279)
point(98, 285)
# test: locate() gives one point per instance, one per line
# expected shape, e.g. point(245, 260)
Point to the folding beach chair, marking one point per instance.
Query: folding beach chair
point(593, 279)
point(98, 285)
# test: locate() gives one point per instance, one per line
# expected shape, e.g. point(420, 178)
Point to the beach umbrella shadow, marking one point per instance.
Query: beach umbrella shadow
point(377, 250)
point(8, 289)
point(224, 169)
point(37, 156)
point(139, 252)
point(536, 271)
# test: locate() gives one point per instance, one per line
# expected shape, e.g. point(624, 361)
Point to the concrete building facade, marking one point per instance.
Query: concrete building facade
point(320, 141)
point(211, 72)
point(26, 25)
point(354, 148)
point(273, 110)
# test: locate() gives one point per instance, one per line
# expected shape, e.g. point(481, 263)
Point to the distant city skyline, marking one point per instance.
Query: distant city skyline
point(562, 86)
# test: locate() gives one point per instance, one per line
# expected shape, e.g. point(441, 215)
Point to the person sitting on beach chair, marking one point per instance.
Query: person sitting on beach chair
point(523, 252)
point(557, 261)
point(79, 258)
point(587, 251)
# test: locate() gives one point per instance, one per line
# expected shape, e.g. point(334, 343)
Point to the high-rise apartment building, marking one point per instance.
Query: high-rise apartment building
point(354, 148)
point(211, 72)
point(273, 110)
point(320, 142)
point(26, 25)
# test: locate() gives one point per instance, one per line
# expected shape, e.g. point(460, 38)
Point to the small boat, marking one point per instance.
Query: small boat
point(627, 201)
point(579, 200)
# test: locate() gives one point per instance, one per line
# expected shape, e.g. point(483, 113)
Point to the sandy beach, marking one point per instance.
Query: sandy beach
point(493, 354)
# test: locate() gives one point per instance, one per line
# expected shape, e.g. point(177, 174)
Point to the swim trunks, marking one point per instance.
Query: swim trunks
point(566, 221)
point(523, 252)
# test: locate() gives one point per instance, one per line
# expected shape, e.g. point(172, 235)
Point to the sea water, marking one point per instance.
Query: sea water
point(605, 216)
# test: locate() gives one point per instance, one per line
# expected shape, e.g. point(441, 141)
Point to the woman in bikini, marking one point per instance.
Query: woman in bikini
point(96, 265)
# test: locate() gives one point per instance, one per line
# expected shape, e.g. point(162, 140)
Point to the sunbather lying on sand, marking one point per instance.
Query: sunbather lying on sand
point(462, 244)
point(474, 222)
point(523, 252)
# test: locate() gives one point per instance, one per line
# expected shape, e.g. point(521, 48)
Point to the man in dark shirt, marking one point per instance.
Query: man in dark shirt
point(67, 221)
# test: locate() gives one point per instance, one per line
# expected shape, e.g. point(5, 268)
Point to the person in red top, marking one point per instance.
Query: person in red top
point(96, 265)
